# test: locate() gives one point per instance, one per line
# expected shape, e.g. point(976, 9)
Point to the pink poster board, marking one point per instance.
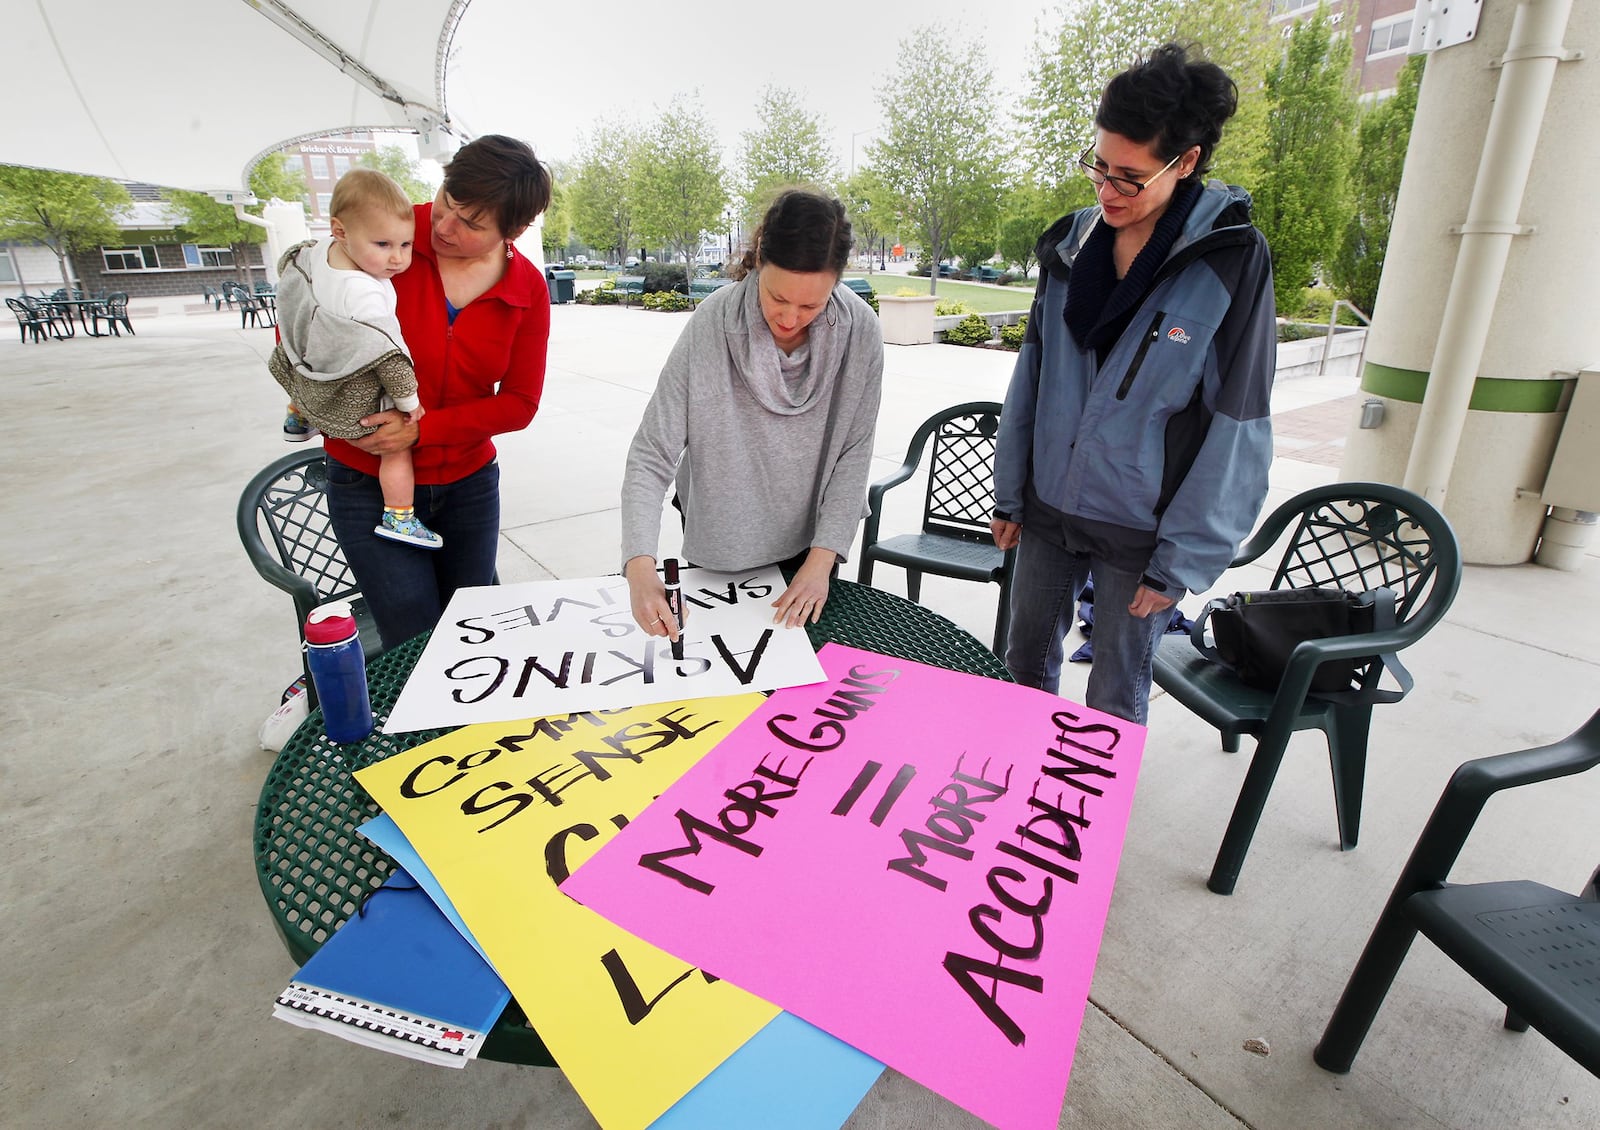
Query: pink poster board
point(917, 861)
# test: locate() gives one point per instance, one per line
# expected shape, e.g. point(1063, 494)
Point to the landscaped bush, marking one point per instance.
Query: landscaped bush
point(1011, 336)
point(668, 300)
point(1315, 306)
point(871, 299)
point(908, 292)
point(948, 306)
point(971, 330)
point(664, 276)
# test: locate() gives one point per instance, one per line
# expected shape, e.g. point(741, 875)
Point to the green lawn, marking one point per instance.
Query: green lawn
point(979, 299)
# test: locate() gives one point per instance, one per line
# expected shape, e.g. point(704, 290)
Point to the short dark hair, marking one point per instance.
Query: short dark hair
point(804, 230)
point(1171, 99)
point(500, 176)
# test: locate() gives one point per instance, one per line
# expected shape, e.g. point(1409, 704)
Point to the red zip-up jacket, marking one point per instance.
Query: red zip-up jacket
point(477, 378)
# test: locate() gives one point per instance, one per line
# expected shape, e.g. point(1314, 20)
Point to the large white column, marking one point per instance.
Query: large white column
point(1483, 315)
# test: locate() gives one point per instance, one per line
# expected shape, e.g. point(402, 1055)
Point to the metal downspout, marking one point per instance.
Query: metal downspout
point(1528, 71)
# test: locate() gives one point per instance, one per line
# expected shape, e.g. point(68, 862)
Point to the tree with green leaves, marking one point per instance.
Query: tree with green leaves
point(862, 196)
point(1097, 39)
point(601, 188)
point(394, 163)
point(557, 230)
point(1302, 200)
point(1382, 141)
point(789, 147)
point(1025, 213)
point(939, 155)
point(215, 224)
point(68, 213)
point(678, 182)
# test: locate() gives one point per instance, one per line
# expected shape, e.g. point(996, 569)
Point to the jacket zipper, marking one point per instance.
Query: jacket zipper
point(1138, 358)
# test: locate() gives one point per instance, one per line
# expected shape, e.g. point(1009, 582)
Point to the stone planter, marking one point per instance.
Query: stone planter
point(907, 321)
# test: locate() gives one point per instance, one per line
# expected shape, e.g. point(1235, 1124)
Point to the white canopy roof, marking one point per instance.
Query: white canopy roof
point(192, 93)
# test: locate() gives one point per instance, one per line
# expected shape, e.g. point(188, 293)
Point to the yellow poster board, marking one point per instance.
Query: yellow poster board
point(502, 813)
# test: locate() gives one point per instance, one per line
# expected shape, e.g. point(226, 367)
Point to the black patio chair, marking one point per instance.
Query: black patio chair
point(1535, 948)
point(114, 310)
point(959, 502)
point(253, 311)
point(1354, 536)
point(31, 319)
point(283, 523)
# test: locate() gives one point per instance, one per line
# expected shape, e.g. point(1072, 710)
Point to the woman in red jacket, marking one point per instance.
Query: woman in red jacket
point(476, 317)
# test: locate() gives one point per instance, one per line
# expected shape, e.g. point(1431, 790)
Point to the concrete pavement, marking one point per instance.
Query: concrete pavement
point(144, 652)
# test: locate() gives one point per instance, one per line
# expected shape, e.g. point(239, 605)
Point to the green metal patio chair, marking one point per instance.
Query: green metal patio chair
point(1354, 536)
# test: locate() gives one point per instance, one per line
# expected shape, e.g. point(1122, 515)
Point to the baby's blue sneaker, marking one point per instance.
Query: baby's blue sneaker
point(408, 530)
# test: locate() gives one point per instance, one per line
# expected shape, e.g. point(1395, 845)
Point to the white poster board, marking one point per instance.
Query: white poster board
point(527, 650)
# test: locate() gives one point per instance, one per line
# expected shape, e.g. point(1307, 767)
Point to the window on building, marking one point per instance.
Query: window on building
point(197, 256)
point(8, 269)
point(1284, 7)
point(341, 166)
point(324, 202)
point(1395, 35)
point(130, 258)
point(319, 166)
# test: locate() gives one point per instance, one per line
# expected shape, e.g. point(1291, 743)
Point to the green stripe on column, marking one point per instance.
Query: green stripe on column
point(1489, 394)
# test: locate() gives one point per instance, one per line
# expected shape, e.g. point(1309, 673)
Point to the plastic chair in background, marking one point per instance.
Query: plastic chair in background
point(958, 504)
point(1354, 536)
point(115, 311)
point(1535, 948)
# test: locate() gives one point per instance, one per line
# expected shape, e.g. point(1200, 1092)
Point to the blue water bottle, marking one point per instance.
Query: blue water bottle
point(339, 670)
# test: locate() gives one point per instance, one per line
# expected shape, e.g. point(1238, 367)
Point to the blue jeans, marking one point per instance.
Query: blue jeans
point(1050, 575)
point(407, 588)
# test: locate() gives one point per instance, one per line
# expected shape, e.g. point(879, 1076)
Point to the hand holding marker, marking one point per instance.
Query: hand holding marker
point(675, 603)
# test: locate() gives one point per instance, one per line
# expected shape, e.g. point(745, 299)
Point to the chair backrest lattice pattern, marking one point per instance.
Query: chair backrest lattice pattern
point(1359, 544)
point(960, 496)
point(293, 516)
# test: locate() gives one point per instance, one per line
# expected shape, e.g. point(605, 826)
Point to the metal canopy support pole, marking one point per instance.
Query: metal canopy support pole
point(1528, 70)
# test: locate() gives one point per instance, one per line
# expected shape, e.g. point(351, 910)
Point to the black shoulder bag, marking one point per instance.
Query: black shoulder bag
point(1256, 633)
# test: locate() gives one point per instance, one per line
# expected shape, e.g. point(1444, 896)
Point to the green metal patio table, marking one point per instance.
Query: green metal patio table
point(315, 868)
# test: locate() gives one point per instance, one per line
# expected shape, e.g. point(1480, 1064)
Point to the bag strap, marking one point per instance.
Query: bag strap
point(1383, 620)
point(1197, 632)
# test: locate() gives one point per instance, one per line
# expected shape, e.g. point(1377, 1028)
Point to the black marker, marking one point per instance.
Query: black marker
point(675, 603)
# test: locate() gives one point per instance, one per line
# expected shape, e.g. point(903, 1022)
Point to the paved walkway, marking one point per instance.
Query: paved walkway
point(143, 652)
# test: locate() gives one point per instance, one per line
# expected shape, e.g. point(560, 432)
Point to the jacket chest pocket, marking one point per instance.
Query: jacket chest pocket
point(1169, 340)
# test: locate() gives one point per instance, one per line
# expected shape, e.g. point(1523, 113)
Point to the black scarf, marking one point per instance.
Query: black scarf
point(1099, 306)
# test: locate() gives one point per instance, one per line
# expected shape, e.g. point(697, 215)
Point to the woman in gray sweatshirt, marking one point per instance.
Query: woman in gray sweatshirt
point(764, 416)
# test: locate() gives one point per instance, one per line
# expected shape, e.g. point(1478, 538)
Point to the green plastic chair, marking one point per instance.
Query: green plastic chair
point(958, 503)
point(1535, 948)
point(1354, 536)
point(283, 523)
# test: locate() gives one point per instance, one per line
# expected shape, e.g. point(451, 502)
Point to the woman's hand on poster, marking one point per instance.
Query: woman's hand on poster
point(802, 601)
point(648, 598)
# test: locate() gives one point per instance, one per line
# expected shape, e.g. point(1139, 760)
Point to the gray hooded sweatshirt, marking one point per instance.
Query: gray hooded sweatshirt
point(771, 452)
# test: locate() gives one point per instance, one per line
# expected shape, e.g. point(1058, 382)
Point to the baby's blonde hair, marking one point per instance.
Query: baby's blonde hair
point(360, 189)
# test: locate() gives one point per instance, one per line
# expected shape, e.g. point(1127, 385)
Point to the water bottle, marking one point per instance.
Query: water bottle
point(339, 670)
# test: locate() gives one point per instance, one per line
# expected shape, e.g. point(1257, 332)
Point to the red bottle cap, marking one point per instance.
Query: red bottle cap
point(330, 623)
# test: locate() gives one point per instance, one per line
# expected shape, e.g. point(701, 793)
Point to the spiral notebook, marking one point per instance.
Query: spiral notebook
point(399, 977)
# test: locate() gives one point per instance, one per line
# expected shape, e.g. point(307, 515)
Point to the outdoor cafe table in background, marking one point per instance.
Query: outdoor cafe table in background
point(83, 306)
point(315, 868)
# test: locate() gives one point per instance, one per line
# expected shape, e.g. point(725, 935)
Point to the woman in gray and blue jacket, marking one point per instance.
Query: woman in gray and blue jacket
point(1135, 441)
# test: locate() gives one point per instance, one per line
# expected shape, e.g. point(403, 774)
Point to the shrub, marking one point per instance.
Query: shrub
point(664, 276)
point(871, 299)
point(1011, 336)
point(971, 330)
point(907, 292)
point(1006, 278)
point(946, 307)
point(1316, 303)
point(668, 300)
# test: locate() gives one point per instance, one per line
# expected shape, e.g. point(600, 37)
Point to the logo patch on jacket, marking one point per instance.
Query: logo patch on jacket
point(1179, 335)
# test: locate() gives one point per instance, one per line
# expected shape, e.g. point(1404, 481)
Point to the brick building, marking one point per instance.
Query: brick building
point(1379, 31)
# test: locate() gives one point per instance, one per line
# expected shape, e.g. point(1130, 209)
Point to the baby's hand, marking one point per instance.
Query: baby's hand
point(413, 417)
